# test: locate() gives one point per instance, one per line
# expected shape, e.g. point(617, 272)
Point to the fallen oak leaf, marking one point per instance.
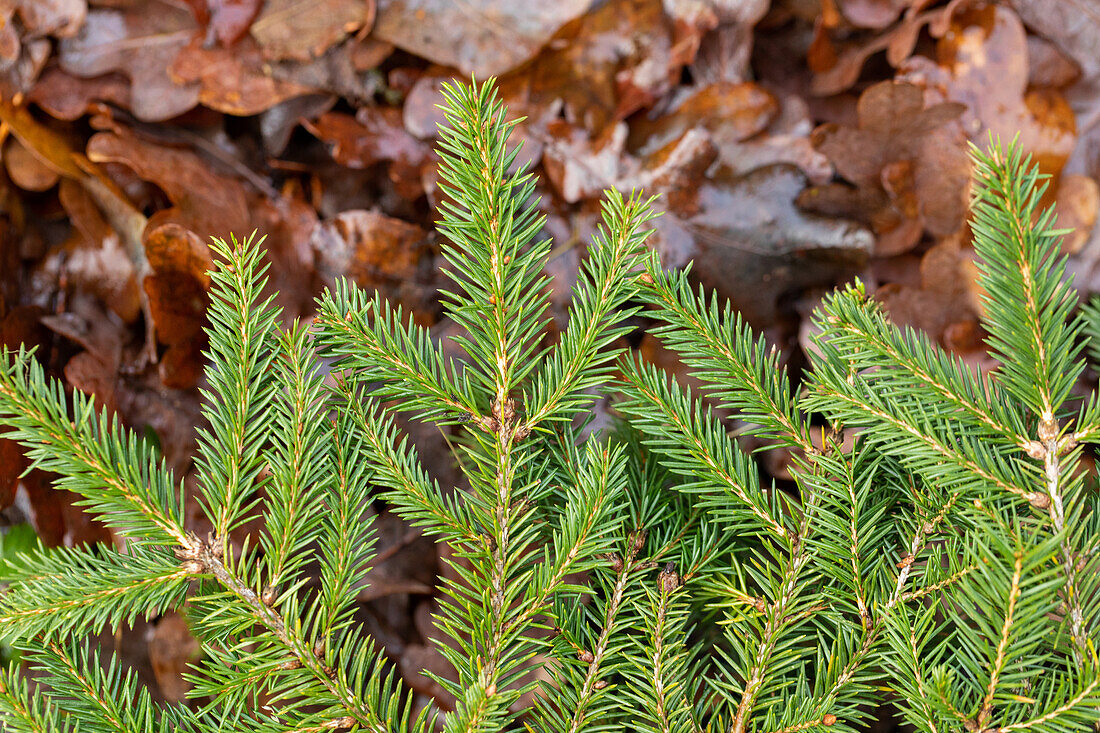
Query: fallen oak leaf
point(906, 151)
point(141, 42)
point(204, 202)
point(177, 290)
point(300, 30)
point(983, 63)
point(25, 169)
point(97, 259)
point(234, 80)
point(479, 37)
point(226, 21)
point(64, 96)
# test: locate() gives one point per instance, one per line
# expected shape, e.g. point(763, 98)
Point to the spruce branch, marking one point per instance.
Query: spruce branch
point(492, 220)
point(238, 401)
point(396, 467)
point(1027, 301)
point(346, 538)
point(120, 477)
point(741, 370)
point(907, 360)
point(374, 341)
point(21, 711)
point(296, 458)
point(57, 593)
point(581, 361)
point(695, 445)
point(101, 698)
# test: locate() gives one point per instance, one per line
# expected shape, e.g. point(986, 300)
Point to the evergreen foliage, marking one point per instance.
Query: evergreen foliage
point(938, 549)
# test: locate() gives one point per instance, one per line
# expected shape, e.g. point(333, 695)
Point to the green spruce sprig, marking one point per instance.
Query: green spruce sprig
point(937, 546)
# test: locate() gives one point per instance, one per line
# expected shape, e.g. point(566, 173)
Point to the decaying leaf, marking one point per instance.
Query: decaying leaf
point(140, 39)
point(204, 202)
point(482, 37)
point(903, 158)
point(235, 80)
point(300, 30)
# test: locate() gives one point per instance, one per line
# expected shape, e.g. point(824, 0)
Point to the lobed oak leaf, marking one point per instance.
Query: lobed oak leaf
point(204, 202)
point(910, 163)
point(139, 39)
point(300, 30)
point(236, 80)
point(482, 37)
point(67, 97)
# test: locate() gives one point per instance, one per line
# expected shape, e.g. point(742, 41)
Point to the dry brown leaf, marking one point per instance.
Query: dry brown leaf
point(68, 97)
point(24, 47)
point(204, 202)
point(1077, 205)
point(368, 247)
point(898, 43)
point(171, 650)
point(26, 169)
point(235, 80)
point(906, 151)
point(300, 30)
point(287, 223)
point(374, 135)
point(730, 112)
point(98, 261)
point(178, 298)
point(481, 37)
point(983, 63)
point(751, 242)
point(139, 39)
point(226, 20)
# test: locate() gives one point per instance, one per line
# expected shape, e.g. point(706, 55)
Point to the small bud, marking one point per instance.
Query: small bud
point(829, 719)
point(669, 580)
point(637, 541)
point(1039, 500)
point(1048, 429)
point(319, 648)
point(268, 595)
point(1035, 449)
point(646, 278)
point(615, 562)
point(585, 656)
point(760, 605)
point(600, 684)
point(906, 561)
point(491, 690)
point(193, 567)
point(290, 664)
